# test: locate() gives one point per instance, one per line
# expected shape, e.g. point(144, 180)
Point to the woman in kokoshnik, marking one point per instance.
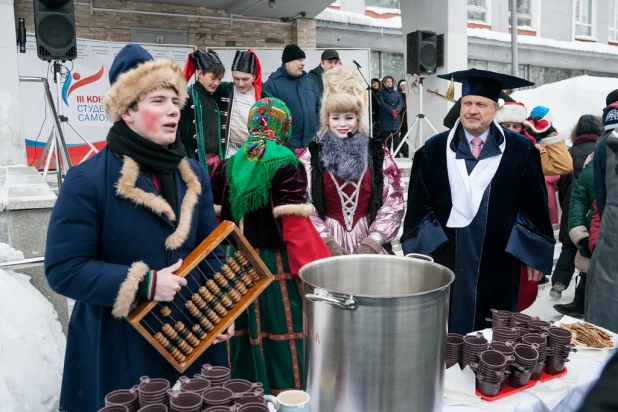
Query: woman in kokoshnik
point(263, 188)
point(353, 181)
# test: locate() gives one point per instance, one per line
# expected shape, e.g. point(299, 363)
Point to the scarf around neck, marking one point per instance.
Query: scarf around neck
point(150, 156)
point(345, 158)
point(251, 170)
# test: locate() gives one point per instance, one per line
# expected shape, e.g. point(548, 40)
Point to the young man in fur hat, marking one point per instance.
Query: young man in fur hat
point(236, 98)
point(122, 224)
point(199, 128)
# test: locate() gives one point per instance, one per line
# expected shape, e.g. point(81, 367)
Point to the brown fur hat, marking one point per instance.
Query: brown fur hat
point(133, 85)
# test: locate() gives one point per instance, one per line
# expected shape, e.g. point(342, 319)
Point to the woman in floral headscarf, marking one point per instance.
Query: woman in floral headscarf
point(263, 188)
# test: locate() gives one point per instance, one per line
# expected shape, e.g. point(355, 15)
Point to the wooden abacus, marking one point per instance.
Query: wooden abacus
point(210, 310)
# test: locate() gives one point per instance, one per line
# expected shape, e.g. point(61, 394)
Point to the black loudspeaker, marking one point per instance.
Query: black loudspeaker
point(422, 52)
point(54, 28)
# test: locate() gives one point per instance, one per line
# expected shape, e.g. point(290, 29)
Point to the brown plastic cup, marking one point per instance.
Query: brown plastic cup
point(222, 409)
point(157, 407)
point(218, 396)
point(217, 375)
point(253, 407)
point(555, 365)
point(185, 402)
point(537, 372)
point(487, 388)
point(114, 408)
point(241, 386)
point(125, 397)
point(519, 379)
point(196, 385)
point(249, 398)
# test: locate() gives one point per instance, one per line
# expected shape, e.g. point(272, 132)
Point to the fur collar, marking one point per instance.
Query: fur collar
point(345, 158)
point(126, 189)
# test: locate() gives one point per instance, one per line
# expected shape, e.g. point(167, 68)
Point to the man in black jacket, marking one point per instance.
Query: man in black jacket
point(329, 59)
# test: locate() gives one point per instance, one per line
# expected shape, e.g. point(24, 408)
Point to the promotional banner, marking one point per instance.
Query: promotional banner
point(83, 82)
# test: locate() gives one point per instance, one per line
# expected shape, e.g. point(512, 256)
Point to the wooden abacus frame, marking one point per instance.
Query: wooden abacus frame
point(225, 230)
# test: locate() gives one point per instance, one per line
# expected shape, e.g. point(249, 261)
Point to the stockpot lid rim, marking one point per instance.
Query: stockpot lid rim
point(385, 257)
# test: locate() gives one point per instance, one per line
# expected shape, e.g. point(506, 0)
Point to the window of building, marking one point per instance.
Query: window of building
point(477, 11)
point(583, 18)
point(387, 64)
point(524, 12)
point(613, 20)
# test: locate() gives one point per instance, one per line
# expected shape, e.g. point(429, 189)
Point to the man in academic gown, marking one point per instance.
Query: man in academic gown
point(477, 203)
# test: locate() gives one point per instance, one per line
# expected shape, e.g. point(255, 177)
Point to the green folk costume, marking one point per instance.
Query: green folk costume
point(263, 189)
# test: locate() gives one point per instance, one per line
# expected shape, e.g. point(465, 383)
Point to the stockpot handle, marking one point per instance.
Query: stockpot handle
point(420, 256)
point(348, 303)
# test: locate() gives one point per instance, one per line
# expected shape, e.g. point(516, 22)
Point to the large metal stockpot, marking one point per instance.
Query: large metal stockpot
point(375, 333)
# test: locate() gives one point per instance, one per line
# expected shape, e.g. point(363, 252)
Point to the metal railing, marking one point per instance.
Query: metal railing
point(23, 263)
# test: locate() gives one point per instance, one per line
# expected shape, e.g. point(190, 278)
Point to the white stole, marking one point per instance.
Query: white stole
point(467, 190)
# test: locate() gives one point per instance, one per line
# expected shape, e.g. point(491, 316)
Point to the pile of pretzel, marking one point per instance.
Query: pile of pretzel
point(585, 334)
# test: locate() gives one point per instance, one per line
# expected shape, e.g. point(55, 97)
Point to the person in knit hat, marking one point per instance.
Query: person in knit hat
point(122, 224)
point(199, 119)
point(263, 188)
point(236, 98)
point(292, 85)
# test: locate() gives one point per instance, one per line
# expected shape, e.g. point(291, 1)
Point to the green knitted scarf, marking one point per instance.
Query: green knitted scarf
point(251, 170)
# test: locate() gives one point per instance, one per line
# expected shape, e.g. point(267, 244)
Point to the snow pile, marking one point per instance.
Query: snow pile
point(569, 99)
point(542, 41)
point(32, 344)
point(7, 253)
point(348, 17)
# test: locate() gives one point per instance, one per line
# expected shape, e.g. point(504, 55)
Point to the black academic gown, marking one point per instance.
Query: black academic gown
point(512, 226)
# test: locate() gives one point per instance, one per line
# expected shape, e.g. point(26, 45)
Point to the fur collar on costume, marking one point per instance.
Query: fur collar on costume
point(345, 158)
point(126, 189)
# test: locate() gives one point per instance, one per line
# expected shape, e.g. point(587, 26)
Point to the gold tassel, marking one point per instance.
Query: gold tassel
point(450, 92)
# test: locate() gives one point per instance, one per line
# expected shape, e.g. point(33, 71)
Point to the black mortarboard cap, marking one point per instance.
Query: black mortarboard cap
point(485, 83)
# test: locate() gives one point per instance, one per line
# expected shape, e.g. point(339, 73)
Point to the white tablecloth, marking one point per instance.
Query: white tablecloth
point(584, 368)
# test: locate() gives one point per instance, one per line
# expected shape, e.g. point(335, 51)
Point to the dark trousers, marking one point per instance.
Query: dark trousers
point(565, 266)
point(579, 299)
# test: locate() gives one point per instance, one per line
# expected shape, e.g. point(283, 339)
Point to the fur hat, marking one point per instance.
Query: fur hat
point(512, 112)
point(292, 52)
point(139, 79)
point(244, 61)
point(128, 58)
point(200, 60)
point(343, 92)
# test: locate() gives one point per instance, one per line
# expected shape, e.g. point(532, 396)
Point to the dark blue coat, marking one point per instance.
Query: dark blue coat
point(302, 97)
point(389, 99)
point(94, 238)
point(511, 228)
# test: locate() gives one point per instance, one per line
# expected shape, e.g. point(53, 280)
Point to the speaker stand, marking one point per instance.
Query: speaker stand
point(370, 105)
point(418, 123)
point(56, 146)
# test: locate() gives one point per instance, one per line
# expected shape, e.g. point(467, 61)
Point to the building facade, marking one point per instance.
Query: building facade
point(558, 39)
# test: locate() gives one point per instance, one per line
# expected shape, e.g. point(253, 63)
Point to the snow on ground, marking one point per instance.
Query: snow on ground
point(569, 99)
point(32, 344)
